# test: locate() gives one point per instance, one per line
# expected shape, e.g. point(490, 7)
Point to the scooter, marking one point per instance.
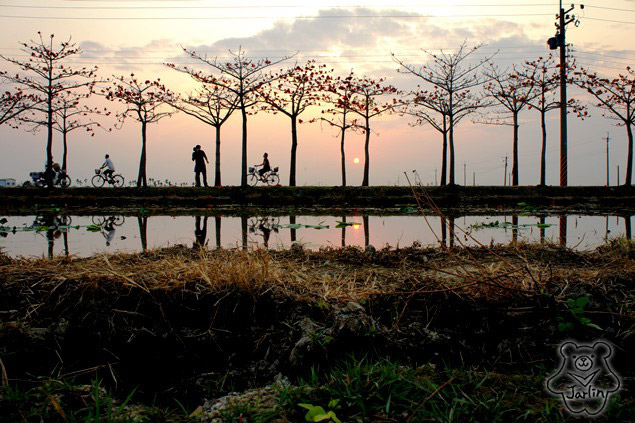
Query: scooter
point(60, 179)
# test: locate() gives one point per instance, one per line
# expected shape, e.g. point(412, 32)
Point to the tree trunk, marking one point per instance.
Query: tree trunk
point(451, 150)
point(543, 154)
point(243, 177)
point(217, 181)
point(141, 179)
point(344, 232)
point(343, 153)
point(49, 139)
point(629, 163)
point(292, 230)
point(294, 150)
point(244, 229)
point(366, 231)
point(365, 182)
point(444, 164)
point(218, 229)
point(65, 153)
point(143, 232)
point(444, 234)
point(515, 152)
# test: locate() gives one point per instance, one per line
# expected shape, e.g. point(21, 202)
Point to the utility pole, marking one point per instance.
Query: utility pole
point(464, 177)
point(473, 179)
point(618, 176)
point(607, 159)
point(435, 177)
point(560, 41)
point(505, 180)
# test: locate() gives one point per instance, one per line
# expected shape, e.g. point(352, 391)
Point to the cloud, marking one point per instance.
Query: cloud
point(128, 59)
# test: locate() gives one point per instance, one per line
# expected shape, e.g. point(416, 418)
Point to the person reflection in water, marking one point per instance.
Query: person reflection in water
point(266, 232)
point(200, 234)
point(109, 231)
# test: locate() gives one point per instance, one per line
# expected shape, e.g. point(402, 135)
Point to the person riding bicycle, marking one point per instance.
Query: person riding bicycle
point(111, 168)
point(266, 167)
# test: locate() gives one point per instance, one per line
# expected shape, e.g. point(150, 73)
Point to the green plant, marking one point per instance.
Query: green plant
point(576, 307)
point(104, 409)
point(318, 414)
point(320, 338)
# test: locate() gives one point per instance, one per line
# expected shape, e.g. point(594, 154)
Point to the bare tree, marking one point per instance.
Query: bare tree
point(243, 77)
point(512, 93)
point(544, 73)
point(616, 98)
point(545, 76)
point(212, 105)
point(339, 107)
point(47, 76)
point(68, 115)
point(432, 108)
point(291, 93)
point(369, 101)
point(456, 79)
point(143, 101)
point(14, 103)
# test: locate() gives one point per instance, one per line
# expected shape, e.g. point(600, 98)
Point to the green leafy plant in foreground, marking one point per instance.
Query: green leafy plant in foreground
point(318, 414)
point(576, 307)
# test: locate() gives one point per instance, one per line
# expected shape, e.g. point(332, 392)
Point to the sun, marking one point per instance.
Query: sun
point(356, 160)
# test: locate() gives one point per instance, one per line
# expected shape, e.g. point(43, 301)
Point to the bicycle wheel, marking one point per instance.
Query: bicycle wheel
point(98, 181)
point(98, 220)
point(118, 220)
point(65, 182)
point(252, 179)
point(273, 179)
point(117, 181)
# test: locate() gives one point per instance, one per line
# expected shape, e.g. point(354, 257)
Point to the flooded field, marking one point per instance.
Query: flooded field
point(54, 234)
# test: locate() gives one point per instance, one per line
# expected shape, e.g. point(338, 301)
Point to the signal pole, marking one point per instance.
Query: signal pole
point(560, 40)
point(464, 177)
point(505, 180)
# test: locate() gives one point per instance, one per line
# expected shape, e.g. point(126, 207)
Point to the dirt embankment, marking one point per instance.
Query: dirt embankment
point(375, 196)
point(175, 322)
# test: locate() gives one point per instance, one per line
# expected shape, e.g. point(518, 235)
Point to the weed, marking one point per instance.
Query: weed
point(316, 413)
point(576, 307)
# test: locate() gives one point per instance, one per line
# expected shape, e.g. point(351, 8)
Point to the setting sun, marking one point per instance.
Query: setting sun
point(356, 160)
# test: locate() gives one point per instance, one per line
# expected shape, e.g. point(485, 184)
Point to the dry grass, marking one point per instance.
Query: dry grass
point(339, 274)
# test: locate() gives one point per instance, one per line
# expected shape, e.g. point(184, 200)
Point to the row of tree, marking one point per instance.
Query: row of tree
point(49, 94)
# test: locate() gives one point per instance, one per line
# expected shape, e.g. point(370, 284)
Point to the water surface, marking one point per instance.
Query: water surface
point(53, 234)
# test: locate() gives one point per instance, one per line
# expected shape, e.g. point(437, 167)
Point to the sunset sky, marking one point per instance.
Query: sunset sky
point(121, 37)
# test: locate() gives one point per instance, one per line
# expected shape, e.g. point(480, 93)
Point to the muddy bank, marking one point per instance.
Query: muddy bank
point(310, 196)
point(192, 325)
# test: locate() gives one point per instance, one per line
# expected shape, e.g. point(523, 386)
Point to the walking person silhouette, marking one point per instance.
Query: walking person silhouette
point(199, 158)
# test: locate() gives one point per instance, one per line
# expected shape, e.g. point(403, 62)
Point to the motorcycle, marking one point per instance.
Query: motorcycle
point(60, 179)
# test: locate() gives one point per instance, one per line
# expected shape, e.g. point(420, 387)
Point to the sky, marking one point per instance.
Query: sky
point(123, 37)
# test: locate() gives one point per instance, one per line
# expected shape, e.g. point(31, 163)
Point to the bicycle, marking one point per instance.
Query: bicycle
point(103, 220)
point(100, 179)
point(270, 178)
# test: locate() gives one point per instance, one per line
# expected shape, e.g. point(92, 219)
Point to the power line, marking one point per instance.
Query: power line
point(20, 6)
point(609, 8)
point(193, 18)
point(607, 20)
